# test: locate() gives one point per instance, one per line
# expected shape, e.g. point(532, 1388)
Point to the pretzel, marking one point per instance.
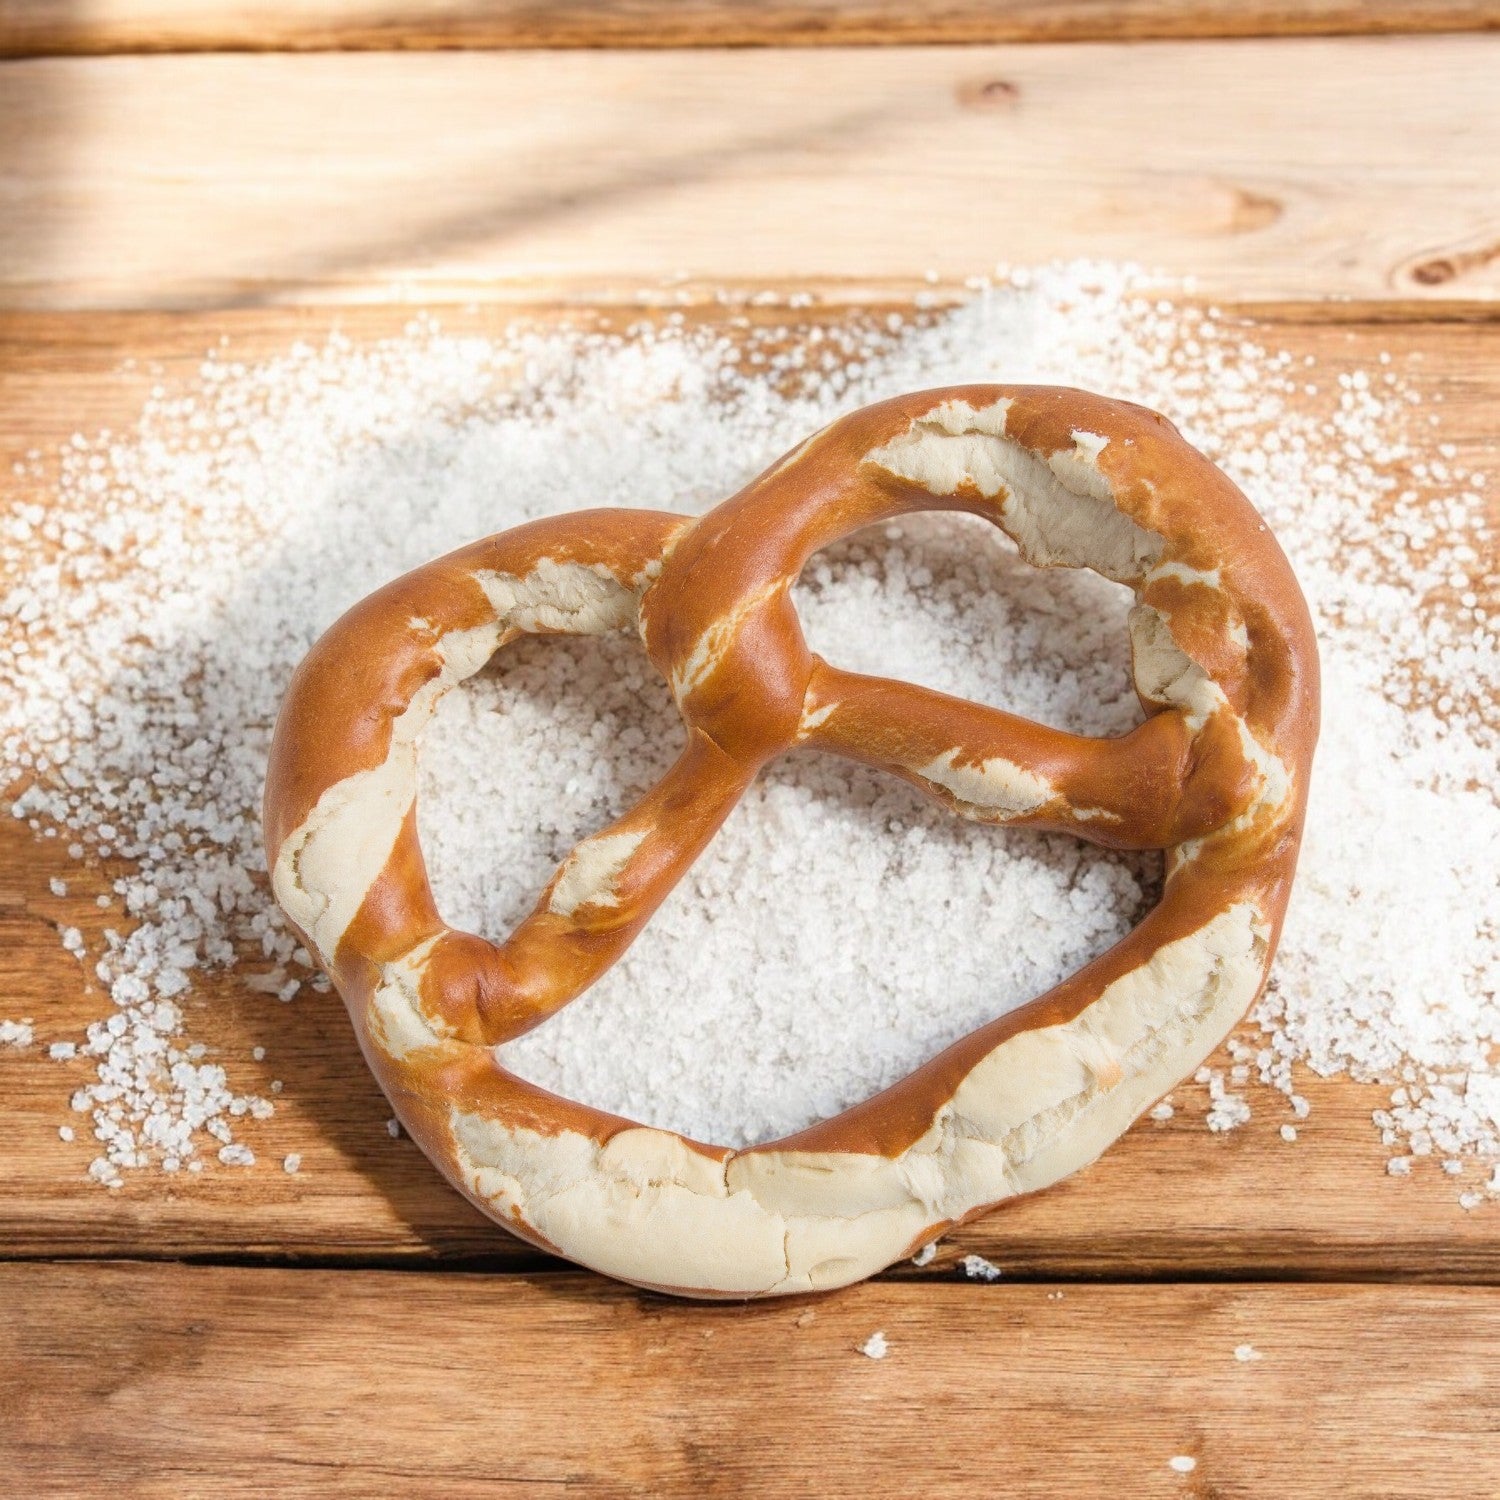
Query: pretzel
point(1224, 663)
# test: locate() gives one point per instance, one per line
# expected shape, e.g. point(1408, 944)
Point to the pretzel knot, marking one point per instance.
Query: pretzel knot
point(1224, 663)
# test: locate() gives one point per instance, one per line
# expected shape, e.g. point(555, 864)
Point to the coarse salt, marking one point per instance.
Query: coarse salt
point(977, 1268)
point(773, 987)
point(16, 1034)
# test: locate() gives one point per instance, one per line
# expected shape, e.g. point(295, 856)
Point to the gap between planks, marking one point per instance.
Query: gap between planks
point(30, 28)
point(194, 1381)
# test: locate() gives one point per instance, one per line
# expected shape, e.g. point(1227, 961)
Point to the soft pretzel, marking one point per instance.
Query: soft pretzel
point(1224, 662)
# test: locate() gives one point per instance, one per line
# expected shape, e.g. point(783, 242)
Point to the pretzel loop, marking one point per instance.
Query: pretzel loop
point(1223, 661)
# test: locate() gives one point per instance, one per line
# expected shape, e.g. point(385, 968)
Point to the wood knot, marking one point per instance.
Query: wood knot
point(1250, 211)
point(989, 93)
point(1434, 272)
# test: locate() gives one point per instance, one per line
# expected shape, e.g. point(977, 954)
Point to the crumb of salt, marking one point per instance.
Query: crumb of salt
point(1182, 1464)
point(57, 887)
point(393, 1128)
point(977, 1268)
point(876, 1346)
point(1246, 1353)
point(926, 1255)
point(1289, 1132)
point(65, 1132)
point(291, 1163)
point(62, 1051)
point(1227, 1110)
point(16, 1034)
point(1162, 1111)
point(236, 1155)
point(258, 1054)
point(1399, 1166)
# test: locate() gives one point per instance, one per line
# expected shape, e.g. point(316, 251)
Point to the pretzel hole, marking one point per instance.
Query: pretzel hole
point(552, 740)
point(840, 930)
point(950, 596)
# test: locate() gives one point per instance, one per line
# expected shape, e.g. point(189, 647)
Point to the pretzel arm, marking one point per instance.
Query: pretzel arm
point(1148, 789)
point(602, 895)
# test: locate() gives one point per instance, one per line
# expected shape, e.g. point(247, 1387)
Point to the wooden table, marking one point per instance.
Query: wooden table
point(356, 1329)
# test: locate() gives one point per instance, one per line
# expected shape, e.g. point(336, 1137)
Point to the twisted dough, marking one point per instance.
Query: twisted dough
point(1223, 659)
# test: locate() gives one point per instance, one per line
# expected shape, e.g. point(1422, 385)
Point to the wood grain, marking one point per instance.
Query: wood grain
point(197, 1381)
point(1171, 1199)
point(30, 28)
point(1358, 167)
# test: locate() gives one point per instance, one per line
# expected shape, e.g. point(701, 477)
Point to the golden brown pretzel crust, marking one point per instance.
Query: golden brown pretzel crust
point(1225, 662)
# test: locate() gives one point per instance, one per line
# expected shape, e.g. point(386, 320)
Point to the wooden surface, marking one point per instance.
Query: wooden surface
point(1271, 170)
point(224, 1382)
point(1172, 1199)
point(1345, 196)
point(39, 27)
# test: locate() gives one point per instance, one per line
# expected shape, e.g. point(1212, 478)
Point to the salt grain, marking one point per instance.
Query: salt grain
point(762, 996)
point(1182, 1464)
point(875, 1347)
point(977, 1268)
point(16, 1034)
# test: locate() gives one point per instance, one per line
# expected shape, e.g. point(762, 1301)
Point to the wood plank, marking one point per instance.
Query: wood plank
point(1273, 170)
point(189, 1381)
point(33, 28)
point(1170, 1199)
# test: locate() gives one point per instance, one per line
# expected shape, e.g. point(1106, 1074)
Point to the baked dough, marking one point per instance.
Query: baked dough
point(1224, 662)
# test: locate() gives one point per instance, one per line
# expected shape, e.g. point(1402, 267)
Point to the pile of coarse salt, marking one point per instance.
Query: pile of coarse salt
point(839, 930)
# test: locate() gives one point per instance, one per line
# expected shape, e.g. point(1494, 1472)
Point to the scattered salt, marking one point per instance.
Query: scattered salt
point(57, 887)
point(1162, 1111)
point(977, 1268)
point(875, 1346)
point(65, 1132)
point(62, 1051)
point(16, 1034)
point(1182, 1464)
point(1245, 1353)
point(1289, 1132)
point(291, 1163)
point(926, 1255)
point(199, 572)
point(393, 1128)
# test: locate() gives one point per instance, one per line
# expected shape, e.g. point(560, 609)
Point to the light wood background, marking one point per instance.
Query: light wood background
point(356, 1329)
